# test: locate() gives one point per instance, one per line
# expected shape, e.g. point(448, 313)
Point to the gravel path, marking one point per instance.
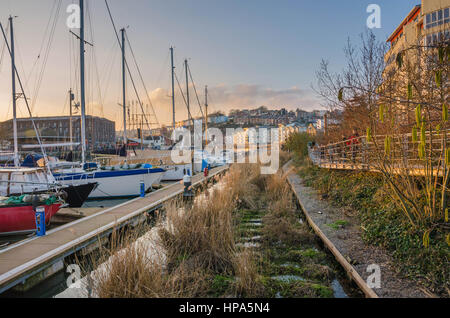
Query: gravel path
point(348, 241)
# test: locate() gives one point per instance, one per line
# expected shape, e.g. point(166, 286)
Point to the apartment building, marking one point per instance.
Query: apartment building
point(436, 21)
point(426, 24)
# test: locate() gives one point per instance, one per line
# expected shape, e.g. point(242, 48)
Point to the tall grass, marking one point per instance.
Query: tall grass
point(248, 280)
point(243, 182)
point(277, 187)
point(280, 223)
point(194, 243)
point(133, 266)
point(201, 233)
point(130, 275)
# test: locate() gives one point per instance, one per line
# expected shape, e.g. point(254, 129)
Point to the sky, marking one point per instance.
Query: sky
point(249, 52)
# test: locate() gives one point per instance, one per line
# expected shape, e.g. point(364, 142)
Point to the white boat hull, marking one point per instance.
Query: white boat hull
point(175, 172)
point(115, 184)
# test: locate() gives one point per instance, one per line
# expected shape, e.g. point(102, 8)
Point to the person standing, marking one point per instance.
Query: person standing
point(123, 151)
point(354, 141)
point(69, 156)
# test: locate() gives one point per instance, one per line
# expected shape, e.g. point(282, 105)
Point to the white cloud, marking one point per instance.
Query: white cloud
point(224, 98)
point(221, 98)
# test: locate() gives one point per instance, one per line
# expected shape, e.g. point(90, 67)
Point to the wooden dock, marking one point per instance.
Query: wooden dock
point(36, 256)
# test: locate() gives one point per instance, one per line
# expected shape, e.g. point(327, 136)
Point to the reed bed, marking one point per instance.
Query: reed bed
point(247, 267)
point(194, 244)
point(280, 222)
point(206, 248)
point(201, 234)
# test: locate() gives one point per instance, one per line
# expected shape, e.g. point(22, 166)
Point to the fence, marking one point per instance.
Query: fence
point(401, 155)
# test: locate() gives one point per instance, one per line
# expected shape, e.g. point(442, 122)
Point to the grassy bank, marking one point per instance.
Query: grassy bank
point(365, 196)
point(245, 238)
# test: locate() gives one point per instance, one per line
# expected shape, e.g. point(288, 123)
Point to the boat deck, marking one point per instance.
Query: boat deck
point(29, 257)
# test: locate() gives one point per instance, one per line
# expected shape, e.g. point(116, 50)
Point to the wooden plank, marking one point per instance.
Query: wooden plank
point(19, 259)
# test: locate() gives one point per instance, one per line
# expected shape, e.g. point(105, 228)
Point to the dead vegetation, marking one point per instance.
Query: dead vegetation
point(206, 249)
point(281, 222)
point(201, 234)
point(247, 271)
point(197, 244)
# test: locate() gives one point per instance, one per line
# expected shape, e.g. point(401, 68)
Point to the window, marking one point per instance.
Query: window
point(437, 18)
point(437, 37)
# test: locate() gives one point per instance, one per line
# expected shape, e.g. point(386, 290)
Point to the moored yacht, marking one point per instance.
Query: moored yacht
point(113, 182)
point(21, 180)
point(119, 181)
point(17, 215)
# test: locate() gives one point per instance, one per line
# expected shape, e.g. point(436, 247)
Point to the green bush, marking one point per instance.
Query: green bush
point(298, 143)
point(384, 223)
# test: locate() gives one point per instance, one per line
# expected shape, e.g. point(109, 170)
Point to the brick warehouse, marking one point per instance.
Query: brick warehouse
point(99, 131)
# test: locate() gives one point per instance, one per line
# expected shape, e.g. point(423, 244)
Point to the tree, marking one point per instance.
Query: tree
point(361, 77)
point(404, 110)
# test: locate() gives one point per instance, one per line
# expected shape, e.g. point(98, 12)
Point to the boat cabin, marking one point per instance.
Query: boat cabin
point(17, 181)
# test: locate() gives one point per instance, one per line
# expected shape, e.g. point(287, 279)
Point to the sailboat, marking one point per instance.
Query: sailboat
point(114, 181)
point(18, 180)
point(201, 158)
point(19, 219)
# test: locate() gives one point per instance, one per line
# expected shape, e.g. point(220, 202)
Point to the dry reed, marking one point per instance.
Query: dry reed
point(280, 223)
point(202, 232)
point(248, 280)
point(194, 243)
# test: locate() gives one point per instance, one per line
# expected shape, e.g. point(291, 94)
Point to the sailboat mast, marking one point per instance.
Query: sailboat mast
point(82, 86)
point(14, 96)
point(206, 114)
point(71, 98)
point(125, 140)
point(173, 87)
point(187, 92)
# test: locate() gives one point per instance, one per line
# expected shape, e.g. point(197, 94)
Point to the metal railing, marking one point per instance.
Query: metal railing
point(402, 153)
